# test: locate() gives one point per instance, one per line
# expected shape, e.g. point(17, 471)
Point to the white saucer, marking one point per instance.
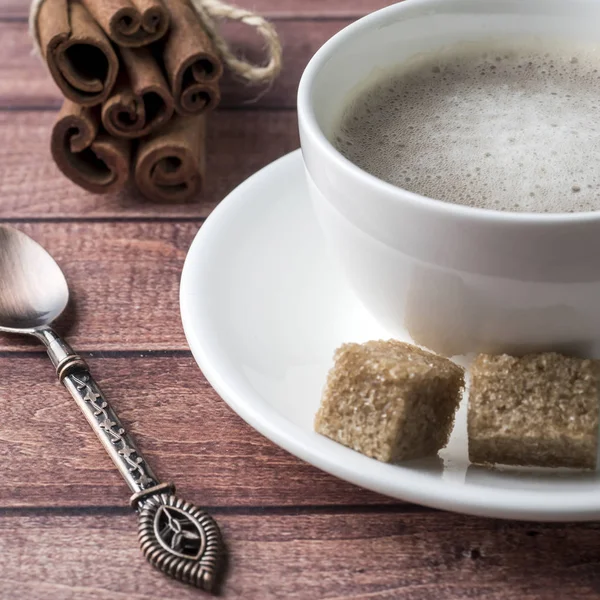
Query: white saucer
point(264, 307)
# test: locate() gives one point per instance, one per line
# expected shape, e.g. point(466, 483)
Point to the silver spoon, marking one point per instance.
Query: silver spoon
point(175, 536)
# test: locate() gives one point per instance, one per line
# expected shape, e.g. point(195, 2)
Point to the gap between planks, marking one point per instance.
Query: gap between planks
point(274, 10)
point(105, 219)
point(55, 107)
point(291, 510)
point(96, 354)
point(274, 18)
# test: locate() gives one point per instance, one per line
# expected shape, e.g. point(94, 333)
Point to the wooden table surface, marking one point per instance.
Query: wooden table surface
point(66, 531)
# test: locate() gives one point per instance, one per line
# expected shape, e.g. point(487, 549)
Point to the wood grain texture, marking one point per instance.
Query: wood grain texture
point(50, 457)
point(240, 142)
point(124, 280)
point(375, 556)
point(300, 38)
point(269, 8)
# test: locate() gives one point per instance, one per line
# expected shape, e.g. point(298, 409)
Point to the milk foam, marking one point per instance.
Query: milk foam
point(511, 127)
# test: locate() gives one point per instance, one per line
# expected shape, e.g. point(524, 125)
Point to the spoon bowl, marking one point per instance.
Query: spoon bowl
point(34, 289)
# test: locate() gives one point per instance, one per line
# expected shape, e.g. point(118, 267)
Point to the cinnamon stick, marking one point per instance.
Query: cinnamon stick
point(79, 56)
point(191, 62)
point(91, 159)
point(130, 23)
point(170, 163)
point(141, 101)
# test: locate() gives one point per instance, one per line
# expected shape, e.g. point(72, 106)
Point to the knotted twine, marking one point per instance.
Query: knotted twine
point(210, 13)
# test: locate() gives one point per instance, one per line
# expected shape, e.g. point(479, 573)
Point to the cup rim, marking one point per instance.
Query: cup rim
point(310, 126)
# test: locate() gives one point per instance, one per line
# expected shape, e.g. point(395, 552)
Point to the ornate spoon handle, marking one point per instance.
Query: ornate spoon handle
point(175, 536)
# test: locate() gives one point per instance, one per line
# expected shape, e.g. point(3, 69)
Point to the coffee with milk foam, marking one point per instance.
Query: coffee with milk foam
point(511, 126)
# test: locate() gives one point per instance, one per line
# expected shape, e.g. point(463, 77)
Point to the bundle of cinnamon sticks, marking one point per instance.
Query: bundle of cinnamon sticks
point(138, 77)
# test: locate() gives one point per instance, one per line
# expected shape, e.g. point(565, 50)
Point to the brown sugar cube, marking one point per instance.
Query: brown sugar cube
point(390, 400)
point(538, 410)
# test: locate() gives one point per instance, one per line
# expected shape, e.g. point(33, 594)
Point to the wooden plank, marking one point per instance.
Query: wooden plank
point(124, 280)
point(50, 457)
point(239, 143)
point(300, 39)
point(270, 8)
point(375, 556)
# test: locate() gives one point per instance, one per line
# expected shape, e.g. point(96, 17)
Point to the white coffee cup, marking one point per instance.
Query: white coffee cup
point(457, 279)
